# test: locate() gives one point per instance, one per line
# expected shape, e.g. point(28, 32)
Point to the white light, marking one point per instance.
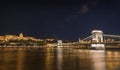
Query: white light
point(99, 31)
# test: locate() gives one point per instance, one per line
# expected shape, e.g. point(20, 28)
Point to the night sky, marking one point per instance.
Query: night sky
point(60, 19)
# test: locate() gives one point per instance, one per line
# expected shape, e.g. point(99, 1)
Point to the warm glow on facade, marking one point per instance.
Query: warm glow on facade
point(15, 37)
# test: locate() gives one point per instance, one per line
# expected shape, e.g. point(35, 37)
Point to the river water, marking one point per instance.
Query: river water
point(59, 59)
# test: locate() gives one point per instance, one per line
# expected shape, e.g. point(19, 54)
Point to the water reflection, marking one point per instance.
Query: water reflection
point(59, 59)
point(49, 59)
point(97, 58)
point(113, 60)
point(20, 60)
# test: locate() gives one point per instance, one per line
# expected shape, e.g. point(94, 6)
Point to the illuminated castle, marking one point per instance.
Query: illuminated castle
point(15, 37)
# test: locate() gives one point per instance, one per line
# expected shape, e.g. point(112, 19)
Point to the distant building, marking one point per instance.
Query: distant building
point(49, 39)
point(2, 38)
point(21, 35)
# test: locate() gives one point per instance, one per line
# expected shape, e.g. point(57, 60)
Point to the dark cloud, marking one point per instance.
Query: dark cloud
point(87, 5)
point(94, 3)
point(84, 8)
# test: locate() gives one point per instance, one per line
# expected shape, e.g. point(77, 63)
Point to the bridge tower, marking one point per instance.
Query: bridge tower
point(97, 36)
point(97, 40)
point(59, 43)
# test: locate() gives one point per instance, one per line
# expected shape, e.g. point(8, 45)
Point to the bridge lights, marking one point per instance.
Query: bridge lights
point(97, 36)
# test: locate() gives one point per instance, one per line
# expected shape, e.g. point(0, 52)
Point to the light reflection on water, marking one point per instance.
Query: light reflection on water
point(97, 59)
point(59, 59)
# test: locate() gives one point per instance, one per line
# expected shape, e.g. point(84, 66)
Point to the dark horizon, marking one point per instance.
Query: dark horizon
point(61, 19)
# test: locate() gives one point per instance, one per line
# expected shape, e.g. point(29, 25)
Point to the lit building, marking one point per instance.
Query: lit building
point(2, 38)
point(15, 37)
point(49, 39)
point(21, 35)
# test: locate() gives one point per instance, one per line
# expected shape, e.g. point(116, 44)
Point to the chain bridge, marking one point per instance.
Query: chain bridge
point(97, 39)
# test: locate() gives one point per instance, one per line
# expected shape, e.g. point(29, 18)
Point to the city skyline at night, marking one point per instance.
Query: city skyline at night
point(64, 19)
point(59, 35)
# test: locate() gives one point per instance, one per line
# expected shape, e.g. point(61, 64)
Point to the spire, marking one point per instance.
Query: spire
point(79, 40)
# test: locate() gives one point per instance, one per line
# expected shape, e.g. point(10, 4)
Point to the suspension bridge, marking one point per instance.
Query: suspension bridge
point(97, 40)
point(98, 37)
